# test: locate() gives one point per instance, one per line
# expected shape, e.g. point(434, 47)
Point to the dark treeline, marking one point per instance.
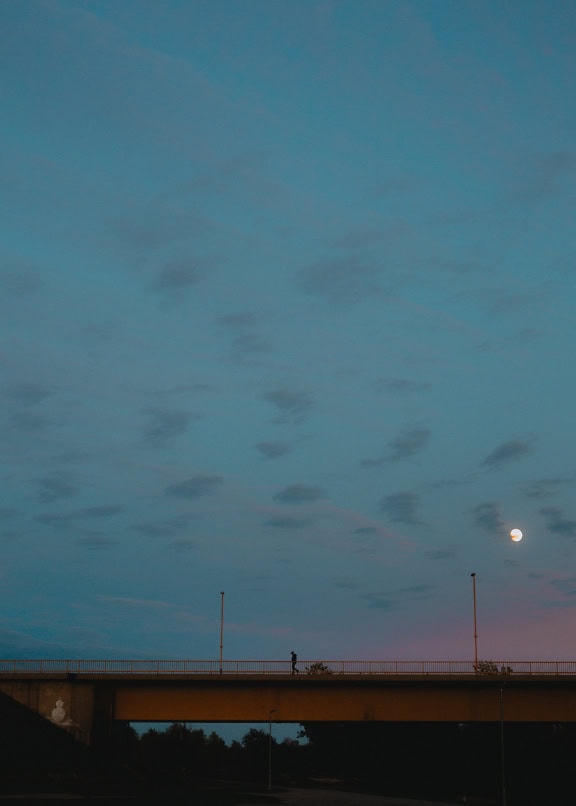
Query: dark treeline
point(452, 762)
point(190, 755)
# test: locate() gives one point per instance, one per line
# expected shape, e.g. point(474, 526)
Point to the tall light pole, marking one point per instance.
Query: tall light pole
point(221, 627)
point(272, 711)
point(475, 626)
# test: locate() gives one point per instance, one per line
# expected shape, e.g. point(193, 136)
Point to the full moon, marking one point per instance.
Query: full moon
point(516, 535)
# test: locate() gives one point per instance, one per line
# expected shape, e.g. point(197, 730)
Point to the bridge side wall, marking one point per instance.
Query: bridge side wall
point(87, 708)
point(234, 702)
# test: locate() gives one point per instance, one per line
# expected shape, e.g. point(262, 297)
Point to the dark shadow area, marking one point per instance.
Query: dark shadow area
point(37, 756)
point(450, 762)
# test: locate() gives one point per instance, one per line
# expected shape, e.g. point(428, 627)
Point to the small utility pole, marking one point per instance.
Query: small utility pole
point(272, 711)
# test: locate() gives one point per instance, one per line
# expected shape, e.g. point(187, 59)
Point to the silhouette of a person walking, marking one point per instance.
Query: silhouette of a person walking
point(294, 659)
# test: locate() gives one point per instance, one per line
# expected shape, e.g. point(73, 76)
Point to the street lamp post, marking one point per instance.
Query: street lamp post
point(272, 711)
point(501, 692)
point(221, 627)
point(475, 625)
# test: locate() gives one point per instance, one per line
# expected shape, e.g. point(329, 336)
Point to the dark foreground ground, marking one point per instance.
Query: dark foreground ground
point(327, 797)
point(283, 797)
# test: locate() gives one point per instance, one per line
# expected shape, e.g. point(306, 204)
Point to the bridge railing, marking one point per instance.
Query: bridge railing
point(282, 667)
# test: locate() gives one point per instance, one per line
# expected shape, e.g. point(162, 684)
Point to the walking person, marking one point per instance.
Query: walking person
point(294, 659)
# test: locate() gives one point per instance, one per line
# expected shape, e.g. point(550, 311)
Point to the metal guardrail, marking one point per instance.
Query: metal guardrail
point(282, 667)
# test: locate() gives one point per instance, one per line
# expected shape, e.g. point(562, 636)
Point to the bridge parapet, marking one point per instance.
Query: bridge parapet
point(441, 668)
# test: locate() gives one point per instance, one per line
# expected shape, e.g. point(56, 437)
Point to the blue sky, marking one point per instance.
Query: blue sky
point(287, 311)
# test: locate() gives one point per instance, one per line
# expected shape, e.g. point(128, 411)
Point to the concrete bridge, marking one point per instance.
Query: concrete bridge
point(85, 697)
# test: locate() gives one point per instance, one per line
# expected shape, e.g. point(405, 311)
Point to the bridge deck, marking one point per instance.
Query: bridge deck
point(280, 668)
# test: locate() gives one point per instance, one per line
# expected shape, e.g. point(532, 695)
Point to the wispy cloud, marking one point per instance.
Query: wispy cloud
point(299, 494)
point(509, 451)
point(31, 421)
point(166, 424)
point(164, 528)
point(247, 341)
point(557, 522)
point(408, 443)
point(292, 406)
point(54, 519)
point(340, 281)
point(346, 583)
point(441, 554)
point(54, 488)
point(149, 227)
point(20, 280)
point(95, 543)
point(272, 450)
point(381, 601)
point(28, 394)
point(195, 487)
point(178, 276)
point(127, 601)
point(288, 522)
point(547, 488)
point(544, 176)
point(401, 507)
point(566, 586)
point(64, 519)
point(461, 481)
point(488, 517)
point(183, 545)
point(105, 511)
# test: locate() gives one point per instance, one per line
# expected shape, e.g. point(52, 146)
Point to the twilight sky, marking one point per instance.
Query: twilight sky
point(287, 310)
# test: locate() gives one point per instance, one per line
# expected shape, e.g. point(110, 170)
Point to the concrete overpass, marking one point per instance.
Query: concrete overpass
point(85, 697)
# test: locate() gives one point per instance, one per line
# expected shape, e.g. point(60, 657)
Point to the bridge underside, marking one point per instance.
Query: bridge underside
point(298, 700)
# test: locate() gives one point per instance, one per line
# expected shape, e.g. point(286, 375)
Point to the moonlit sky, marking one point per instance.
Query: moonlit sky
point(287, 310)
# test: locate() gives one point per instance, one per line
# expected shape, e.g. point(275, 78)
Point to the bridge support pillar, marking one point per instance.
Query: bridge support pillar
point(102, 716)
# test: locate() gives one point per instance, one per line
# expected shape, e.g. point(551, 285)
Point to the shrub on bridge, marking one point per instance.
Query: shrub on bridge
point(487, 667)
point(318, 668)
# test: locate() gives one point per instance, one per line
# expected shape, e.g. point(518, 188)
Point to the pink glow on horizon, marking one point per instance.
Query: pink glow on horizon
point(548, 635)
